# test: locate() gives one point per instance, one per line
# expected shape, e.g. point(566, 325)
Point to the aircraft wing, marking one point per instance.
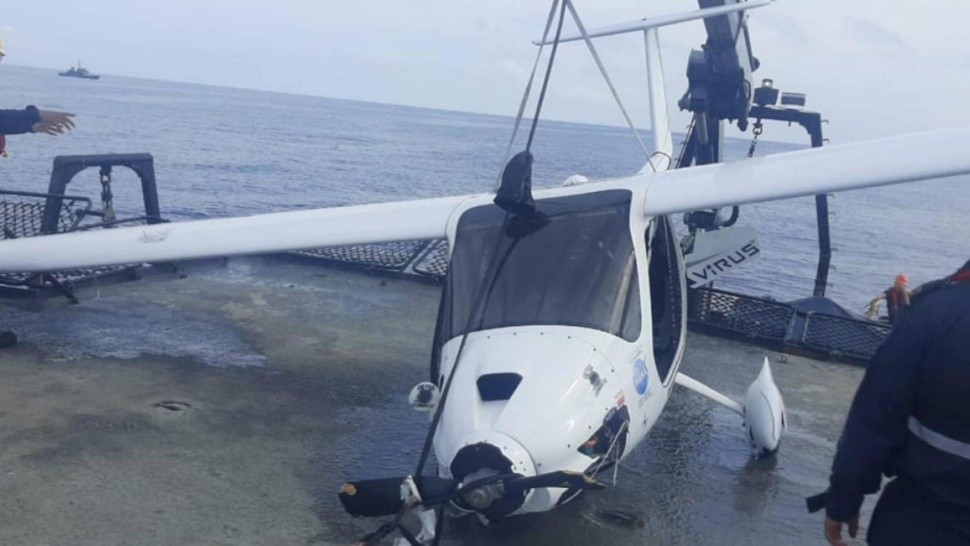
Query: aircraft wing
point(808, 172)
point(275, 232)
point(662, 21)
point(865, 164)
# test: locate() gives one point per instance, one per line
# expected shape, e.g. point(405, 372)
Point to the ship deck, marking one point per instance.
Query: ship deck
point(228, 407)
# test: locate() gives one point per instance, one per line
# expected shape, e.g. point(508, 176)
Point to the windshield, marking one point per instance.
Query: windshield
point(576, 270)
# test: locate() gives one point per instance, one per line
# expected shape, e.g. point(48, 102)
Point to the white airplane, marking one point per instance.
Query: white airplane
point(562, 323)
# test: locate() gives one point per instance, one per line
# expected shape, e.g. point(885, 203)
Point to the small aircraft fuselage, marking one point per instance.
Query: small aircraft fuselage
point(572, 349)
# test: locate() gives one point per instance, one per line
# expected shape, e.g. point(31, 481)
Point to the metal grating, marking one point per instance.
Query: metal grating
point(427, 258)
point(783, 327)
point(744, 315)
point(434, 262)
point(21, 213)
point(66, 276)
point(394, 256)
point(849, 337)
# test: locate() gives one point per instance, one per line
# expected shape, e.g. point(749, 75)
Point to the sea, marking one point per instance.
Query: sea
point(228, 152)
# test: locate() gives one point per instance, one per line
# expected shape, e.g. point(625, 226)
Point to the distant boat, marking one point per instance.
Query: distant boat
point(79, 72)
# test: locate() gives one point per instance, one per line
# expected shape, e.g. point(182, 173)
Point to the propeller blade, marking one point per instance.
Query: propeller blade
point(382, 497)
point(372, 498)
point(563, 478)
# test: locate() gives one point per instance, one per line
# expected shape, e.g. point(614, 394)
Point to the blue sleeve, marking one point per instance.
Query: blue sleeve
point(877, 423)
point(16, 122)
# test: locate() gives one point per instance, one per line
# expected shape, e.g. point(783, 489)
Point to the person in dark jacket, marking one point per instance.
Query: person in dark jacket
point(911, 419)
point(31, 119)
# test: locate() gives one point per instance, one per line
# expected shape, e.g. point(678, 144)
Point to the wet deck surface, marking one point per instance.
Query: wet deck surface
point(228, 407)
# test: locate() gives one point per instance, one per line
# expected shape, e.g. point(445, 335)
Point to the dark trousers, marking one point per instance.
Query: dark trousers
point(908, 514)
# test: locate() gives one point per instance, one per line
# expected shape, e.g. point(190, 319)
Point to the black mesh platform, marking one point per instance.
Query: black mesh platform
point(426, 259)
point(434, 262)
point(21, 213)
point(783, 327)
point(25, 214)
point(394, 256)
point(840, 336)
point(743, 316)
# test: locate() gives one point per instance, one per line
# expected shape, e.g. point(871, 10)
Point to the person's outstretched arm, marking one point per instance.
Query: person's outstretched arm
point(32, 120)
point(53, 123)
point(17, 122)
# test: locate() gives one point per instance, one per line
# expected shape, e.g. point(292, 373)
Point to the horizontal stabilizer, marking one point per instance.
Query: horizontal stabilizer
point(663, 21)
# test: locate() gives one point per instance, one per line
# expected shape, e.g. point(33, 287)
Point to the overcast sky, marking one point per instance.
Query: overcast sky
point(873, 67)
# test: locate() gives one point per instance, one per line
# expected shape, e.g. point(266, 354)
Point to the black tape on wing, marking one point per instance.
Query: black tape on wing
point(515, 193)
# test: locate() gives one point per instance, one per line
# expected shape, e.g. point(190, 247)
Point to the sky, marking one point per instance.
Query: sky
point(875, 68)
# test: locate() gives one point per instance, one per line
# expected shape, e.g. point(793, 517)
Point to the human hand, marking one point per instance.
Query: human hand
point(53, 123)
point(833, 530)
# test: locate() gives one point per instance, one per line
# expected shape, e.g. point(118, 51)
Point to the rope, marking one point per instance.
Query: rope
point(528, 92)
point(609, 81)
point(488, 284)
point(545, 81)
point(492, 276)
point(480, 299)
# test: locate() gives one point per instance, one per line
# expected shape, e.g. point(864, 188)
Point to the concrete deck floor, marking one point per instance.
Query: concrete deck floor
point(228, 407)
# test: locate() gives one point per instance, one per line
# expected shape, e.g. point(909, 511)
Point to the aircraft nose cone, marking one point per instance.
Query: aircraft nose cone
point(487, 455)
point(481, 498)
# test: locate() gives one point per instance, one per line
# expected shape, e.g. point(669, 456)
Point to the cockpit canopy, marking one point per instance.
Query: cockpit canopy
point(573, 266)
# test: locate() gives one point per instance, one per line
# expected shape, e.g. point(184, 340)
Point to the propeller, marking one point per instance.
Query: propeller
point(385, 496)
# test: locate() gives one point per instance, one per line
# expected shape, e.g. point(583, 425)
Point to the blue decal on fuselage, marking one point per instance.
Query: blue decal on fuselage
point(641, 378)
